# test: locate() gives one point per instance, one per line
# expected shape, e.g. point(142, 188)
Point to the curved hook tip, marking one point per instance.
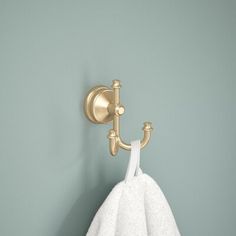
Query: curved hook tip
point(147, 126)
point(113, 140)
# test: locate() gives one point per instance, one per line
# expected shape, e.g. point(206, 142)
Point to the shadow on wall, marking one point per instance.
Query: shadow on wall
point(79, 218)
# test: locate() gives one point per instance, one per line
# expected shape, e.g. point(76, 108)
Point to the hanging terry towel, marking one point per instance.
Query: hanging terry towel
point(135, 206)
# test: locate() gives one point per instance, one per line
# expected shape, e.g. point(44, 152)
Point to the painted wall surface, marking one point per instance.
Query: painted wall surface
point(177, 64)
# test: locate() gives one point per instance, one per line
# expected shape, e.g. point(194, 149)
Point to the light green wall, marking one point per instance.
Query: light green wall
point(177, 63)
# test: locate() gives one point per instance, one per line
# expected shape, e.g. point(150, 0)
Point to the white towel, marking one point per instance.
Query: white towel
point(135, 206)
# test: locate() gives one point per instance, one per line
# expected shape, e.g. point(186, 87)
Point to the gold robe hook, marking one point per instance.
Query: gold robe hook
point(102, 105)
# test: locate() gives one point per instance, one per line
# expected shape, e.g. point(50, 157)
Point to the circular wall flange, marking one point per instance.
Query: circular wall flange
point(96, 105)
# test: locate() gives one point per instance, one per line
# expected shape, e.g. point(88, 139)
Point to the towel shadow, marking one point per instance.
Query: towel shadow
point(93, 173)
point(79, 218)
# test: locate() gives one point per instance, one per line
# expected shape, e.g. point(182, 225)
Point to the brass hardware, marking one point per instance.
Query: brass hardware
point(102, 105)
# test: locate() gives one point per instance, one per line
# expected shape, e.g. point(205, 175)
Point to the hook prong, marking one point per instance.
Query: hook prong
point(147, 129)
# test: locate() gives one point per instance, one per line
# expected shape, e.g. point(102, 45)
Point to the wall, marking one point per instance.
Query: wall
point(176, 60)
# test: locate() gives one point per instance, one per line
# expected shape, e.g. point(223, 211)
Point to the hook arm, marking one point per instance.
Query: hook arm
point(147, 128)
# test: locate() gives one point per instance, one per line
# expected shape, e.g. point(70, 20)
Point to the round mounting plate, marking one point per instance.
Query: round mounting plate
point(96, 105)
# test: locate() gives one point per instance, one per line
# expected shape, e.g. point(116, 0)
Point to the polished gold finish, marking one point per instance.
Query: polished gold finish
point(102, 105)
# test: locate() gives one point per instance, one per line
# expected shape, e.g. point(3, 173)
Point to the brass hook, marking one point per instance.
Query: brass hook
point(102, 105)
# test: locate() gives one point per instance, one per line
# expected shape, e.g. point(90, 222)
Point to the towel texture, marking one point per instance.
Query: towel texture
point(135, 207)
